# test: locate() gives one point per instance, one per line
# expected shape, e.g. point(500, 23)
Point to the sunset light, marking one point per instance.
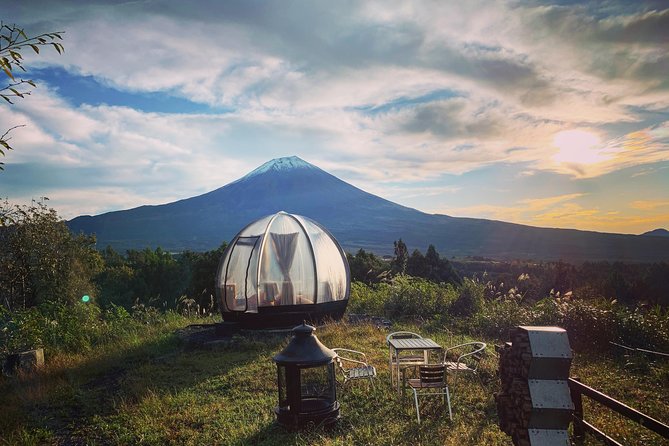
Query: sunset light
point(432, 105)
point(578, 146)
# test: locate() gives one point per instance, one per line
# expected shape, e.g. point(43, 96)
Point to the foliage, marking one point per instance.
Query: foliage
point(201, 269)
point(41, 261)
point(158, 278)
point(632, 284)
point(365, 299)
point(399, 263)
point(366, 267)
point(73, 328)
point(478, 308)
point(116, 286)
point(432, 267)
point(13, 40)
point(402, 298)
point(592, 324)
point(469, 300)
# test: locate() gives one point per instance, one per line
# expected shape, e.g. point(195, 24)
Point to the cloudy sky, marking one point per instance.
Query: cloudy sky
point(547, 114)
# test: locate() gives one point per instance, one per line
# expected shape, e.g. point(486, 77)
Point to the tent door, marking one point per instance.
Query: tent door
point(240, 290)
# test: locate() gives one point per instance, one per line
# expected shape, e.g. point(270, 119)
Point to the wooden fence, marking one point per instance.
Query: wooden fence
point(578, 390)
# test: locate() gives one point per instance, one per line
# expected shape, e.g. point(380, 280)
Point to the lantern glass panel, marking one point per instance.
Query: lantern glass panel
point(317, 388)
point(283, 394)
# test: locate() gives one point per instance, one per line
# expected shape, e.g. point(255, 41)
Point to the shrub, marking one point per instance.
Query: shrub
point(74, 328)
point(404, 297)
point(21, 330)
point(365, 299)
point(496, 318)
point(470, 298)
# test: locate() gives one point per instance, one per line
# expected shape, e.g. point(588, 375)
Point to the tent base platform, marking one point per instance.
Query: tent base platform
point(287, 316)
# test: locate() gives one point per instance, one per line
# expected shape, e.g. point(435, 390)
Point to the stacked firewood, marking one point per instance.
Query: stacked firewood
point(534, 405)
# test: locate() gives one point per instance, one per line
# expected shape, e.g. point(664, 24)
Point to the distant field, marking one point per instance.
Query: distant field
point(161, 388)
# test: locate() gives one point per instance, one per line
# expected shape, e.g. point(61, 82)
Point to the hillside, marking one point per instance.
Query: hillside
point(169, 389)
point(660, 232)
point(356, 218)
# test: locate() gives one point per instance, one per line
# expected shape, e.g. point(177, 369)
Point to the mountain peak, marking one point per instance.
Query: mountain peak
point(660, 232)
point(280, 164)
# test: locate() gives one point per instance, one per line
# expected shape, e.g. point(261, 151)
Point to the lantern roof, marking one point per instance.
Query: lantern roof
point(304, 349)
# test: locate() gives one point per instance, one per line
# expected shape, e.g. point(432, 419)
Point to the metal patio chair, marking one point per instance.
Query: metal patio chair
point(431, 381)
point(468, 357)
point(353, 365)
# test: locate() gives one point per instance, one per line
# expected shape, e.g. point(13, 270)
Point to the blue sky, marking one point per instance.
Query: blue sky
point(540, 113)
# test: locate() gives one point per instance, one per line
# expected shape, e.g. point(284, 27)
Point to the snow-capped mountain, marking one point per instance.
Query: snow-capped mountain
point(356, 218)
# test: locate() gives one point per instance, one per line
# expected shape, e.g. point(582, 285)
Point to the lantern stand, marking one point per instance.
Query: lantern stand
point(306, 381)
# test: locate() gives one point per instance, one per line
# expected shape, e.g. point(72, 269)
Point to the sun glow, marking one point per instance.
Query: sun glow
point(578, 146)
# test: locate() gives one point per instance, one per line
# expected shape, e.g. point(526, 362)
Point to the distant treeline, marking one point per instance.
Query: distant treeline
point(629, 283)
point(157, 278)
point(369, 268)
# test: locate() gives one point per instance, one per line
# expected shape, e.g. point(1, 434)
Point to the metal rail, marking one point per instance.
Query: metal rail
point(639, 350)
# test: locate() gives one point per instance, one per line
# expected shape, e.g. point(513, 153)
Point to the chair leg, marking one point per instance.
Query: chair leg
point(455, 379)
point(448, 402)
point(415, 397)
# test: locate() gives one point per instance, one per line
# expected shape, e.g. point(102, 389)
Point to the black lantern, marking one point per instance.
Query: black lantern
point(306, 377)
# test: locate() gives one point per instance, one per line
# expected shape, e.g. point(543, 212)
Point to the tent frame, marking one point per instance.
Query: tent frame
point(302, 309)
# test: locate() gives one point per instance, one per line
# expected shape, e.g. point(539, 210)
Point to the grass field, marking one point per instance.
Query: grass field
point(161, 388)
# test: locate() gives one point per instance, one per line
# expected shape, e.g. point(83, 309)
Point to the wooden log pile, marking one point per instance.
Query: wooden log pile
point(534, 405)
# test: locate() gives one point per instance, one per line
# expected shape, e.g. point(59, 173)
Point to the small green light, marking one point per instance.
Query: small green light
point(85, 298)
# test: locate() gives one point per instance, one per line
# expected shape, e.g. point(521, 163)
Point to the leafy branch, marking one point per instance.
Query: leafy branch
point(13, 40)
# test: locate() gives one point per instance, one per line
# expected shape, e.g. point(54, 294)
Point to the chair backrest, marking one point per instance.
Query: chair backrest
point(477, 354)
point(340, 364)
point(402, 335)
point(470, 354)
point(432, 374)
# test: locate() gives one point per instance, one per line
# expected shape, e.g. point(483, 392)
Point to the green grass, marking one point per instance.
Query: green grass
point(154, 388)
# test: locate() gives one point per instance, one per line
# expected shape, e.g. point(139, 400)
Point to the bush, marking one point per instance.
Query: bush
point(470, 298)
point(74, 328)
point(496, 318)
point(404, 297)
point(22, 330)
point(366, 299)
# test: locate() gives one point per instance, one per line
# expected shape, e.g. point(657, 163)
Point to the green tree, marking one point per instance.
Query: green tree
point(158, 278)
point(13, 40)
point(416, 265)
point(440, 269)
point(116, 281)
point(470, 299)
point(40, 260)
point(399, 262)
point(366, 267)
point(200, 269)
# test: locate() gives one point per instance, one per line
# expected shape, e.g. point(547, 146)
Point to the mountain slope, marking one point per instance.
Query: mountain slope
point(356, 218)
point(660, 232)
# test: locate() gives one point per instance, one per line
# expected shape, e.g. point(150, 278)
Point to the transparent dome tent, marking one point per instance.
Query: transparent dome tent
point(281, 270)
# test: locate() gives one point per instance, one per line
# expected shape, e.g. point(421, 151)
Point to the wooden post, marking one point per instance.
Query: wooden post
point(577, 399)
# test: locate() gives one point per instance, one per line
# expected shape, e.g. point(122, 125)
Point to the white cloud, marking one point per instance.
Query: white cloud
point(350, 88)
